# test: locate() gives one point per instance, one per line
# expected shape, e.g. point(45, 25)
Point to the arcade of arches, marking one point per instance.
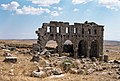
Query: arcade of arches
point(80, 39)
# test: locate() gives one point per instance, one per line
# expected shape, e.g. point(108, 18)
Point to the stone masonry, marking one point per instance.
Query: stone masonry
point(87, 37)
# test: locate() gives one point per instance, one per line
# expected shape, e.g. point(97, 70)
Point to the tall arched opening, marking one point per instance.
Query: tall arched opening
point(82, 49)
point(52, 46)
point(68, 48)
point(94, 51)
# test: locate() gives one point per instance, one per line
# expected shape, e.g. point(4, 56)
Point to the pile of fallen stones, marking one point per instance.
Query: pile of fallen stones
point(83, 66)
point(55, 65)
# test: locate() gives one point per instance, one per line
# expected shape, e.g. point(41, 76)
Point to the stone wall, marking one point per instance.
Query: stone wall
point(87, 38)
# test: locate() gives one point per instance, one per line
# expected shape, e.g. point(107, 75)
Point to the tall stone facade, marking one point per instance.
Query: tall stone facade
point(87, 37)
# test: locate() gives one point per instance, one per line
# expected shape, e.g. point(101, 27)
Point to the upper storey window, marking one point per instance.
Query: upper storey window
point(75, 30)
point(95, 31)
point(89, 31)
point(58, 29)
point(82, 30)
point(66, 29)
point(48, 29)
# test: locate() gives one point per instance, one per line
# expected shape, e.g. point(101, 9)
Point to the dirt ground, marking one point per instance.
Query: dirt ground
point(23, 68)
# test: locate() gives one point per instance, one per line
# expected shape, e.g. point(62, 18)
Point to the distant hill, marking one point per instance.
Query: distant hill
point(106, 42)
point(110, 42)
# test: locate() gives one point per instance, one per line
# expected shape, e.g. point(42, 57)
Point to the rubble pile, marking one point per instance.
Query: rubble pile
point(55, 65)
point(49, 64)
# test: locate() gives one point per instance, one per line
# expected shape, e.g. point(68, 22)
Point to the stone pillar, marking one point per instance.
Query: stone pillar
point(75, 48)
point(53, 29)
point(75, 52)
point(60, 50)
point(71, 29)
point(77, 26)
point(59, 46)
point(88, 49)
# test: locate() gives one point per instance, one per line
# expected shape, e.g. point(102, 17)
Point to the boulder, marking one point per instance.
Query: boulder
point(90, 71)
point(76, 71)
point(106, 58)
point(11, 73)
point(101, 58)
point(115, 66)
point(118, 77)
point(10, 59)
point(94, 59)
point(117, 61)
point(99, 68)
point(66, 65)
point(35, 58)
point(7, 54)
point(11, 48)
point(118, 71)
point(40, 74)
point(45, 52)
point(81, 71)
point(111, 61)
point(49, 72)
point(2, 46)
point(57, 71)
point(73, 70)
point(107, 50)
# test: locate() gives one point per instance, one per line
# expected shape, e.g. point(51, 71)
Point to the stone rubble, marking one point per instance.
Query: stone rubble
point(55, 65)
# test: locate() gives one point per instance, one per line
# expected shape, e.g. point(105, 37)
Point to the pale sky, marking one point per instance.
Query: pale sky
point(20, 18)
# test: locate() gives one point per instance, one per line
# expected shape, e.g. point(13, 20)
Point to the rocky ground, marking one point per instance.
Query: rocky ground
point(50, 67)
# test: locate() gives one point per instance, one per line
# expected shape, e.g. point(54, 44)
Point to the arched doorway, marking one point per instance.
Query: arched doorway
point(52, 46)
point(94, 51)
point(68, 47)
point(82, 49)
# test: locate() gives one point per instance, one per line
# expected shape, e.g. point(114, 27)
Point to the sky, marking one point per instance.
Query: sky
point(19, 19)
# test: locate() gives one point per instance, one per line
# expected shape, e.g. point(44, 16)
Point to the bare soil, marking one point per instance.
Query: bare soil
point(23, 68)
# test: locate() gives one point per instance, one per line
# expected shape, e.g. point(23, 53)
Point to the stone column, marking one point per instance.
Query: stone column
point(75, 48)
point(60, 50)
point(88, 49)
point(75, 52)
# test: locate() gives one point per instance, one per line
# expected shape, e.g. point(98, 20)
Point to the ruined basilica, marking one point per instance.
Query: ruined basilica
point(86, 38)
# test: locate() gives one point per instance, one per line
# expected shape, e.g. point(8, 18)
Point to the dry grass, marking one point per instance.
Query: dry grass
point(24, 67)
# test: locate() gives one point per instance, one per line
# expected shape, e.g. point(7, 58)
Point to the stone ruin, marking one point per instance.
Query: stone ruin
point(86, 38)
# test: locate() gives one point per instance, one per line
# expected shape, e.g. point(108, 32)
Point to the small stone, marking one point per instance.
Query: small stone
point(90, 71)
point(118, 77)
point(116, 61)
point(111, 61)
point(57, 71)
point(7, 54)
point(110, 72)
point(99, 68)
point(74, 71)
point(94, 59)
point(81, 71)
point(11, 72)
point(115, 66)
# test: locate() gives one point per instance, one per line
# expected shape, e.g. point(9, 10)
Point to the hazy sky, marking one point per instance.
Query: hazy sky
point(20, 18)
